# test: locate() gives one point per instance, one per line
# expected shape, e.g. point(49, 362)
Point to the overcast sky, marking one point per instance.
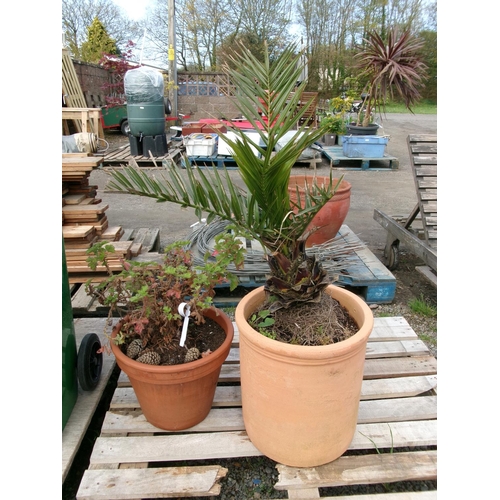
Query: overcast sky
point(135, 9)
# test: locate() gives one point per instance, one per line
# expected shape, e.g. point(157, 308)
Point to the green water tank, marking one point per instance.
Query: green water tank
point(69, 351)
point(145, 101)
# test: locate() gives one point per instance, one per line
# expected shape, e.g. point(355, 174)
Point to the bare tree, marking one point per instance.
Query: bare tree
point(77, 15)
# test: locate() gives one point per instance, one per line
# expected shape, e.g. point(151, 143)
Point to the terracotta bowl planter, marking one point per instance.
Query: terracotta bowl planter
point(179, 396)
point(300, 403)
point(331, 217)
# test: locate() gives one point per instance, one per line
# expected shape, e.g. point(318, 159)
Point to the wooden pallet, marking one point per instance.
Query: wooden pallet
point(363, 275)
point(338, 160)
point(121, 156)
point(133, 459)
point(87, 401)
point(131, 243)
point(423, 243)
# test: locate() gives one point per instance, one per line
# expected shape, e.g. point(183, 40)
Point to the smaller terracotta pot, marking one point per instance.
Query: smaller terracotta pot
point(178, 396)
point(330, 218)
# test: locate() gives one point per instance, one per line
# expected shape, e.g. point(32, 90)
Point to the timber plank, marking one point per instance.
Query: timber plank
point(98, 208)
point(364, 469)
point(151, 483)
point(404, 495)
point(400, 367)
point(227, 396)
point(174, 447)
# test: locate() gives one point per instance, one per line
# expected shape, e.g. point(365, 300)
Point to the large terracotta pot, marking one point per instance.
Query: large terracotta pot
point(300, 403)
point(179, 396)
point(331, 217)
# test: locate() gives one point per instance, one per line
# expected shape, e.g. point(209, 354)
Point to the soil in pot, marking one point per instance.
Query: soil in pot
point(313, 324)
point(206, 337)
point(330, 218)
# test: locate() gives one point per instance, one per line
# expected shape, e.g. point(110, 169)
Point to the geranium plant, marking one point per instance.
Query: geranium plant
point(154, 299)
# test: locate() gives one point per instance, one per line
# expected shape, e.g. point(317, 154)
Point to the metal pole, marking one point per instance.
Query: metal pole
point(172, 55)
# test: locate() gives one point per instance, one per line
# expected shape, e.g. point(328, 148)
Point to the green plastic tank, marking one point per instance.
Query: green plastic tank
point(145, 101)
point(69, 351)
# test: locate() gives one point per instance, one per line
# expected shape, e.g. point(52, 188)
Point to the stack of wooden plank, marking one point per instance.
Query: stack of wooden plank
point(84, 220)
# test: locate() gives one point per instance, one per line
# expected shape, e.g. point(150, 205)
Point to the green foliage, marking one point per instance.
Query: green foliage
point(262, 319)
point(424, 107)
point(335, 123)
point(422, 306)
point(98, 42)
point(147, 295)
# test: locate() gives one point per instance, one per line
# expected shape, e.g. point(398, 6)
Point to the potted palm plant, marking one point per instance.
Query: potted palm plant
point(389, 65)
point(169, 340)
point(302, 339)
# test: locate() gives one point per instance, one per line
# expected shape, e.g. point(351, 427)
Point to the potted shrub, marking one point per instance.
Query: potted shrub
point(169, 340)
point(337, 118)
point(335, 125)
point(302, 339)
point(389, 65)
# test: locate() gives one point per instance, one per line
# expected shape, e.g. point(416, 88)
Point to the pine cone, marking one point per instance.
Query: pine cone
point(192, 355)
point(149, 358)
point(134, 348)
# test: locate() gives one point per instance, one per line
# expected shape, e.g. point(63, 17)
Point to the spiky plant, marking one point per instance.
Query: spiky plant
point(263, 211)
point(390, 66)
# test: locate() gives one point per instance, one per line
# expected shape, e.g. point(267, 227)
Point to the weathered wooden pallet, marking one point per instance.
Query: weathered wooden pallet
point(341, 162)
point(121, 156)
point(397, 417)
point(132, 243)
point(423, 241)
point(363, 274)
point(87, 401)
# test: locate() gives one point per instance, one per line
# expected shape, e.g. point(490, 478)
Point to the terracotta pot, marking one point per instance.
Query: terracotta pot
point(300, 403)
point(331, 217)
point(179, 396)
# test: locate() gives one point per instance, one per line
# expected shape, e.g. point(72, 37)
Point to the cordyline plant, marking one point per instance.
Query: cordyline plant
point(268, 97)
point(390, 66)
point(147, 295)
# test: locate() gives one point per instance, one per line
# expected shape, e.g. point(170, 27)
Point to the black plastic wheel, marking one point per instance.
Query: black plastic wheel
point(393, 257)
point(168, 106)
point(125, 127)
point(89, 364)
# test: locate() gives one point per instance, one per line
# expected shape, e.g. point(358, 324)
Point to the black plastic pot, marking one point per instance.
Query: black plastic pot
point(353, 129)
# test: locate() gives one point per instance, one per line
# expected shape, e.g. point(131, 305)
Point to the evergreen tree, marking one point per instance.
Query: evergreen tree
point(98, 42)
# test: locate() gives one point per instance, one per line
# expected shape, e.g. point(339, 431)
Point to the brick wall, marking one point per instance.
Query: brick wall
point(92, 77)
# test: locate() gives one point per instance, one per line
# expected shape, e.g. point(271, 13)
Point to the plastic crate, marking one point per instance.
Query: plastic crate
point(364, 146)
point(200, 144)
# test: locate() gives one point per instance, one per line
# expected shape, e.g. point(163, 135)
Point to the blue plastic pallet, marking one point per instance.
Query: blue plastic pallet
point(336, 155)
point(217, 161)
point(365, 275)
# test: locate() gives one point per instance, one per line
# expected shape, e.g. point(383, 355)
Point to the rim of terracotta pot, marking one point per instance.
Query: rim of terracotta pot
point(356, 306)
point(183, 368)
point(343, 187)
